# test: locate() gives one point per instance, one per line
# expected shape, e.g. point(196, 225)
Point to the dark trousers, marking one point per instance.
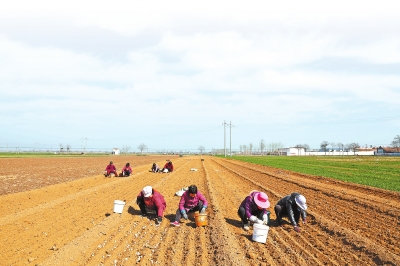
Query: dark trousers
point(281, 212)
point(142, 206)
point(127, 173)
point(243, 217)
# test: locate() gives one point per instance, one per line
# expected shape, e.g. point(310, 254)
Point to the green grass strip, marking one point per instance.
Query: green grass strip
point(376, 171)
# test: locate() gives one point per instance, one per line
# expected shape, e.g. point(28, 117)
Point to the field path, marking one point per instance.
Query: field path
point(71, 221)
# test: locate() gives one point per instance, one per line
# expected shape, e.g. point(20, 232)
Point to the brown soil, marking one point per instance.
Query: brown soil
point(60, 212)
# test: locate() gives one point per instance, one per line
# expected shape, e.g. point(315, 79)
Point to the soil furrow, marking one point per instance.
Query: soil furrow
point(72, 222)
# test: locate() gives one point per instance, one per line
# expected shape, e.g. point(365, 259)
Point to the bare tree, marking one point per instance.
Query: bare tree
point(396, 143)
point(201, 149)
point(244, 149)
point(68, 147)
point(262, 146)
point(251, 148)
point(61, 148)
point(353, 147)
point(333, 144)
point(125, 149)
point(142, 147)
point(340, 146)
point(306, 147)
point(324, 144)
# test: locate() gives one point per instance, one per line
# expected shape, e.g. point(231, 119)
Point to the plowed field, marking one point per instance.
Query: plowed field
point(60, 212)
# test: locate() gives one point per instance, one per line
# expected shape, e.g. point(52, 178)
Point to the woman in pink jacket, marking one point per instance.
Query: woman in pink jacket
point(191, 200)
point(127, 170)
point(151, 200)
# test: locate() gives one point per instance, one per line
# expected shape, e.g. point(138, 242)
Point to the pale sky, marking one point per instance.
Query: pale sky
point(169, 73)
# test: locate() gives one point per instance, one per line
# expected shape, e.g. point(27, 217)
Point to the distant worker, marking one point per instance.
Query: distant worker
point(110, 169)
point(155, 168)
point(254, 209)
point(191, 200)
point(292, 206)
point(168, 167)
point(151, 200)
point(127, 170)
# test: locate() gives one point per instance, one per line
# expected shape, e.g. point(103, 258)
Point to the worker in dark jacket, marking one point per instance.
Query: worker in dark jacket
point(293, 206)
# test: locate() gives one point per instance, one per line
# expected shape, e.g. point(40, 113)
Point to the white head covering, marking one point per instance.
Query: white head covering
point(301, 202)
point(147, 191)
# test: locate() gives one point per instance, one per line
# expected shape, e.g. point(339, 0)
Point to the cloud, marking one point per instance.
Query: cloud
point(180, 64)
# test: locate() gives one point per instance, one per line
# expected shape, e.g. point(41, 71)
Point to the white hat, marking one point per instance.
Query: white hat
point(301, 202)
point(147, 191)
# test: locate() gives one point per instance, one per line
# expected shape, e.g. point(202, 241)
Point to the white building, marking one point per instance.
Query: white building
point(116, 151)
point(292, 151)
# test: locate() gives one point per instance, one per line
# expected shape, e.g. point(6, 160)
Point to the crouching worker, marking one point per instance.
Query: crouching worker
point(151, 200)
point(168, 168)
point(155, 168)
point(110, 169)
point(127, 170)
point(292, 206)
point(191, 200)
point(254, 209)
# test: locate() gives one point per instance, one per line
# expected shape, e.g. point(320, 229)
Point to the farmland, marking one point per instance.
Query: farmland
point(377, 171)
point(59, 211)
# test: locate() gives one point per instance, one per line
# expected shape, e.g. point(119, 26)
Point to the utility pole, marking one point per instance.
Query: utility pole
point(224, 124)
point(230, 138)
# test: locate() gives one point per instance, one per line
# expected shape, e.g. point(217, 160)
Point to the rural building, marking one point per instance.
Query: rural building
point(116, 151)
point(292, 151)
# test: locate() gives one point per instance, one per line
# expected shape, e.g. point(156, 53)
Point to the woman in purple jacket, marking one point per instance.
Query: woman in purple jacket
point(254, 209)
point(191, 200)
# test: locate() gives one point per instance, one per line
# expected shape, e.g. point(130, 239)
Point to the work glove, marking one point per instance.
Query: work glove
point(184, 214)
point(259, 221)
point(304, 221)
point(203, 210)
point(297, 229)
point(158, 220)
point(253, 219)
point(265, 219)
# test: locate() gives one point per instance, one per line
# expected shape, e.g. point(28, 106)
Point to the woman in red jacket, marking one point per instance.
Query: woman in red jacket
point(168, 168)
point(110, 169)
point(151, 200)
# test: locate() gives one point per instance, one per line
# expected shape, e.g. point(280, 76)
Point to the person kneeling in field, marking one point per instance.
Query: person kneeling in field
point(151, 200)
point(155, 168)
point(293, 206)
point(191, 200)
point(127, 170)
point(168, 168)
point(254, 209)
point(110, 169)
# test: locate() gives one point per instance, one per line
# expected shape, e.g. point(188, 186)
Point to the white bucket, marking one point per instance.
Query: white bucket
point(118, 206)
point(260, 232)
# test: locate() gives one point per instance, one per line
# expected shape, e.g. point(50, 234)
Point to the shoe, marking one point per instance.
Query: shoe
point(246, 227)
point(176, 223)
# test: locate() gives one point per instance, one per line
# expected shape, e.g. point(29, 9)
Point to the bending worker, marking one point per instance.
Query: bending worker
point(151, 200)
point(191, 200)
point(110, 169)
point(292, 206)
point(254, 209)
